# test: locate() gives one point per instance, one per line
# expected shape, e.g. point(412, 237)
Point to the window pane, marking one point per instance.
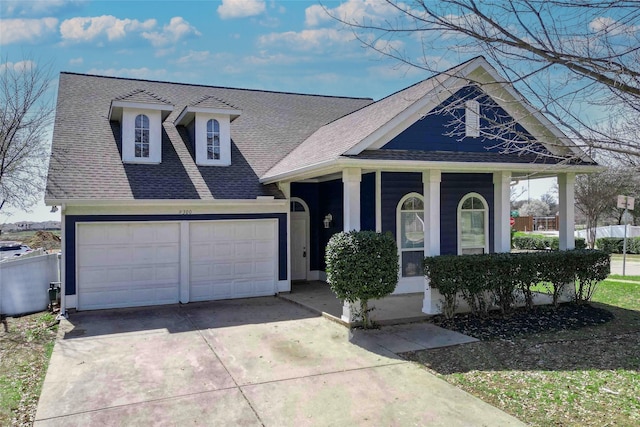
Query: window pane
point(413, 204)
point(297, 207)
point(472, 229)
point(139, 121)
point(412, 263)
point(138, 150)
point(210, 126)
point(468, 204)
point(209, 152)
point(145, 136)
point(216, 126)
point(145, 150)
point(412, 229)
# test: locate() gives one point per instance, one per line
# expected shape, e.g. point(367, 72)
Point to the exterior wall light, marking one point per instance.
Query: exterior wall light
point(327, 220)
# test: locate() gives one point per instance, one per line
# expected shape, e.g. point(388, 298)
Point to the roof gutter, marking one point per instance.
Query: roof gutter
point(337, 165)
point(261, 200)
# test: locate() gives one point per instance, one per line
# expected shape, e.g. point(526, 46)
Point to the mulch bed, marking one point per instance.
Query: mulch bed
point(522, 322)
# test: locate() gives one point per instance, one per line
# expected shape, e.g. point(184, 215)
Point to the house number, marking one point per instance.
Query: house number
point(185, 211)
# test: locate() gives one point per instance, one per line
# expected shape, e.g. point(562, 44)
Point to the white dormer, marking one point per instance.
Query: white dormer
point(208, 122)
point(140, 114)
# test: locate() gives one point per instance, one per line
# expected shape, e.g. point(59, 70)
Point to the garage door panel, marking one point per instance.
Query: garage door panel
point(240, 259)
point(128, 264)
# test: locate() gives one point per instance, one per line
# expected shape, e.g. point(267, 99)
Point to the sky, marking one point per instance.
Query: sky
point(290, 46)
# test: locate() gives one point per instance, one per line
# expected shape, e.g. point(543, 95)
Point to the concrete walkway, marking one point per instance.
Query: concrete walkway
point(391, 310)
point(632, 267)
point(261, 361)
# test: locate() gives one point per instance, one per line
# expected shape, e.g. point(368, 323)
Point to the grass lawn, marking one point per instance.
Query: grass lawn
point(580, 377)
point(630, 257)
point(24, 356)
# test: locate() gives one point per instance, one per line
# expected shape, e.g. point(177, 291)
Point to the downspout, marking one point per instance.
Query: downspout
point(61, 258)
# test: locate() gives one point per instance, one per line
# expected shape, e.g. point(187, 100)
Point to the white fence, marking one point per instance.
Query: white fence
point(24, 283)
point(612, 231)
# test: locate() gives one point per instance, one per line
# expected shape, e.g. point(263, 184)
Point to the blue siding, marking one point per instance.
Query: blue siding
point(430, 133)
point(394, 187)
point(323, 198)
point(70, 236)
point(368, 202)
point(331, 201)
point(453, 187)
point(310, 193)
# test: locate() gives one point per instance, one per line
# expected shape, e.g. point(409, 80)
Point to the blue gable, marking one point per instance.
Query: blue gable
point(443, 128)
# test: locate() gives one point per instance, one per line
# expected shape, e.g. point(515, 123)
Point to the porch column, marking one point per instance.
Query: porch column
point(502, 211)
point(566, 200)
point(351, 178)
point(431, 190)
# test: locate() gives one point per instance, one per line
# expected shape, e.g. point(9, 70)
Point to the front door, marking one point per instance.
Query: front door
point(299, 244)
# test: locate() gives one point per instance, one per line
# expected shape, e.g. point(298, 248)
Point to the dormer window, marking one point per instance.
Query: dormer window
point(142, 136)
point(208, 124)
point(140, 114)
point(213, 140)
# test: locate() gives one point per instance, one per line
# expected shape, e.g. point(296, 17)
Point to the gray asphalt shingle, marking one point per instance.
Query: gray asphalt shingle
point(86, 162)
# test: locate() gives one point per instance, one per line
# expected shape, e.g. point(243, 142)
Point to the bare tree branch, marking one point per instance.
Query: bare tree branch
point(26, 114)
point(577, 62)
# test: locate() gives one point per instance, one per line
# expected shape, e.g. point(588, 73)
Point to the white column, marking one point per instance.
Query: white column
point(431, 190)
point(184, 261)
point(566, 200)
point(285, 187)
point(351, 178)
point(379, 201)
point(502, 211)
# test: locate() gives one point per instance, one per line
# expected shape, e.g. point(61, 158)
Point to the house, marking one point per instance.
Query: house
point(179, 193)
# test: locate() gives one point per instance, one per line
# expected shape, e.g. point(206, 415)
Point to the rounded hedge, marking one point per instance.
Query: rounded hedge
point(362, 265)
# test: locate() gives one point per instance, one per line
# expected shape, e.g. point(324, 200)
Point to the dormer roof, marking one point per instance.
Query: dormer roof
point(208, 105)
point(139, 98)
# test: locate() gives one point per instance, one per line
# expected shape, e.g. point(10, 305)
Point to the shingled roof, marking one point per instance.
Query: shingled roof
point(86, 162)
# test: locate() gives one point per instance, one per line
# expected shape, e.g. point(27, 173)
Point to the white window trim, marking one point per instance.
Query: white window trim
point(200, 136)
point(142, 143)
point(399, 230)
point(214, 134)
point(486, 220)
point(472, 118)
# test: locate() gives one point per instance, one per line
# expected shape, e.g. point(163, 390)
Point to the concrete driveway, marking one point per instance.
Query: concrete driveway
point(261, 361)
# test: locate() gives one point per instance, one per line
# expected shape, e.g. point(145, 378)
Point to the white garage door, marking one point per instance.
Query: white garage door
point(127, 264)
point(232, 259)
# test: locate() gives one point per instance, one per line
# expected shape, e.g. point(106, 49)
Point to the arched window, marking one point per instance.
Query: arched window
point(410, 232)
point(473, 225)
point(142, 136)
point(213, 140)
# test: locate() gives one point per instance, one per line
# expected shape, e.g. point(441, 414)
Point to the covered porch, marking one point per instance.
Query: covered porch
point(392, 310)
point(433, 223)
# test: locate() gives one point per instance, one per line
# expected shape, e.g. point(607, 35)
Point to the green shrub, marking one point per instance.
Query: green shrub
point(474, 277)
point(611, 245)
point(539, 242)
point(615, 245)
point(362, 265)
point(595, 266)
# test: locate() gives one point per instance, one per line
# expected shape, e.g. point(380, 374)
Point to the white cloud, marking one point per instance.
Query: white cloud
point(241, 8)
point(25, 30)
point(194, 56)
point(17, 67)
point(31, 8)
point(76, 61)
point(85, 29)
point(609, 25)
point(307, 39)
point(175, 30)
point(372, 11)
point(278, 59)
point(136, 73)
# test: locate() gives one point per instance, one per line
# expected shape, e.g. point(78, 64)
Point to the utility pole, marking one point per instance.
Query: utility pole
point(626, 203)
